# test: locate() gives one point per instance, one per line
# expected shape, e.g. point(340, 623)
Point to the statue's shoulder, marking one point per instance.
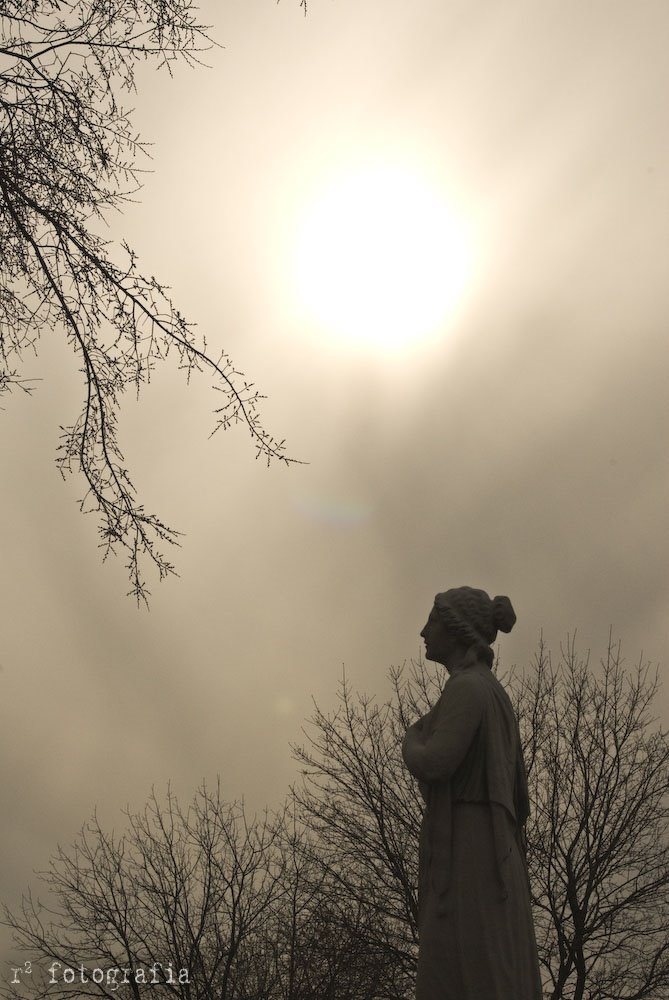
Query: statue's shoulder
point(477, 684)
point(471, 683)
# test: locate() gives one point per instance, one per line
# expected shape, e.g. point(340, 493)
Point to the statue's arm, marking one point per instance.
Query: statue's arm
point(438, 756)
point(425, 721)
point(419, 731)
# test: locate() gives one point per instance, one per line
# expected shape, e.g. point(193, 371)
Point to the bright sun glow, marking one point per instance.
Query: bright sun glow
point(383, 261)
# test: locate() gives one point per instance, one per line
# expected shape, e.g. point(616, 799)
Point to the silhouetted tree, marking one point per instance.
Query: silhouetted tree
point(68, 155)
point(240, 905)
point(363, 811)
point(598, 835)
point(321, 940)
point(319, 901)
point(191, 889)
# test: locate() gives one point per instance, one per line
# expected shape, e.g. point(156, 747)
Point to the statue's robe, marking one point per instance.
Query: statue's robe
point(476, 936)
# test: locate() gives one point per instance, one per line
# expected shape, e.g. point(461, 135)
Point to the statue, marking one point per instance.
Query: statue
point(476, 935)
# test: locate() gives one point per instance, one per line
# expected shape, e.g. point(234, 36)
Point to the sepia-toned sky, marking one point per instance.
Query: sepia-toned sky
point(520, 446)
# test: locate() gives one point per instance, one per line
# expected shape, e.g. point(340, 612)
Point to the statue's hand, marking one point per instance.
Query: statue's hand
point(425, 722)
point(417, 732)
point(411, 740)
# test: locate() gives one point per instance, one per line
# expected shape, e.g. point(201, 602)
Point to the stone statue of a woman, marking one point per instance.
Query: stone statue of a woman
point(476, 936)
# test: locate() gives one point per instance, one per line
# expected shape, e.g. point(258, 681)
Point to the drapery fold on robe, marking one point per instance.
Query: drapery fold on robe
point(467, 749)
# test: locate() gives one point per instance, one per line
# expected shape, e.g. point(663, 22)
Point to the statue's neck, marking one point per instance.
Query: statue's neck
point(465, 661)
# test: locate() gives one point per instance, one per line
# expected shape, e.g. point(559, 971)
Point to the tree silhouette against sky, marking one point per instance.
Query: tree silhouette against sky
point(320, 899)
point(68, 157)
point(597, 837)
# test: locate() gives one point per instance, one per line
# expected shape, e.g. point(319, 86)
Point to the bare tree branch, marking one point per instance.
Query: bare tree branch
point(319, 901)
point(599, 834)
point(68, 156)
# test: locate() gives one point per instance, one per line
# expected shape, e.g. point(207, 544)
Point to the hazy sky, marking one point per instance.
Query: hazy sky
point(522, 447)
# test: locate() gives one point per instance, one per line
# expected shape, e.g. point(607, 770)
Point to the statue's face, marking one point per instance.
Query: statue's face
point(439, 643)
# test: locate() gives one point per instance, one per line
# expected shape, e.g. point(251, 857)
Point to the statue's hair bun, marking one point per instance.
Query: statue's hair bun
point(503, 615)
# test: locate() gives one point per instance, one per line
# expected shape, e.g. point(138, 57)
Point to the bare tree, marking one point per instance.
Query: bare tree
point(194, 903)
point(321, 943)
point(363, 811)
point(320, 900)
point(68, 156)
point(598, 836)
point(189, 889)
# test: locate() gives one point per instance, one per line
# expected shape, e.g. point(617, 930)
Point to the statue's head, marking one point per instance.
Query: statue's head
point(466, 620)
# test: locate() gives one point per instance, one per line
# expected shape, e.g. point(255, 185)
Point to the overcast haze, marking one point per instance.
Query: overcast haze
point(523, 449)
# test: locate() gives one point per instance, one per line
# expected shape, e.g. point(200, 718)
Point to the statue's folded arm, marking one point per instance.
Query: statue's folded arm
point(436, 755)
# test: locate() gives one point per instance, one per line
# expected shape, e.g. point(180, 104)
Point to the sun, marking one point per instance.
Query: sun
point(382, 260)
